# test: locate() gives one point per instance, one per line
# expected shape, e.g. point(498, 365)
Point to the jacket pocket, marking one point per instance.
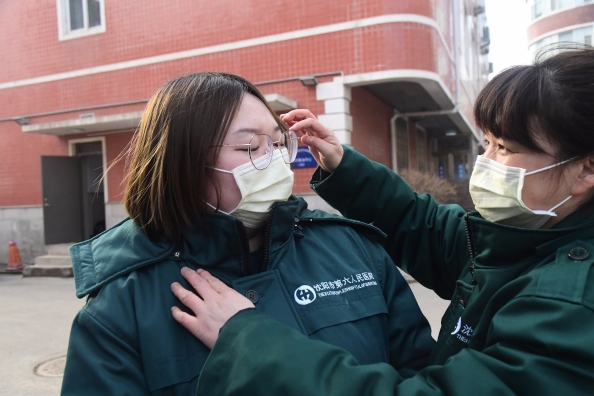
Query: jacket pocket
point(358, 324)
point(343, 311)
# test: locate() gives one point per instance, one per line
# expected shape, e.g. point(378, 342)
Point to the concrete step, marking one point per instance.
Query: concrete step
point(50, 265)
point(61, 249)
point(53, 260)
point(56, 271)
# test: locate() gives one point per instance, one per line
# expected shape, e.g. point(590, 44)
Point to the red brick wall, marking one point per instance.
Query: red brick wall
point(138, 29)
point(573, 16)
point(387, 47)
point(371, 126)
point(116, 144)
point(20, 164)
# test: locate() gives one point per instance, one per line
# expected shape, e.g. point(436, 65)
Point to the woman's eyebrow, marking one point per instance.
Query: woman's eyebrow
point(253, 130)
point(246, 130)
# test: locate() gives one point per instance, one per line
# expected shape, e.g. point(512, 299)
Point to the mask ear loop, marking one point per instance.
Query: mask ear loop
point(550, 211)
point(548, 167)
point(217, 210)
point(220, 170)
point(560, 203)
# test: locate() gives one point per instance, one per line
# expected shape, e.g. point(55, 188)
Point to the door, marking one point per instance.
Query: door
point(62, 203)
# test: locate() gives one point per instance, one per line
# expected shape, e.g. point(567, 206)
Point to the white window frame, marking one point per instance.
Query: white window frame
point(64, 32)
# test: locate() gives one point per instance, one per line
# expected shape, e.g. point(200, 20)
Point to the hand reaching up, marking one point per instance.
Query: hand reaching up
point(323, 143)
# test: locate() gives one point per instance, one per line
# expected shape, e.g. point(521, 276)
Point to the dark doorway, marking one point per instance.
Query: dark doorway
point(73, 198)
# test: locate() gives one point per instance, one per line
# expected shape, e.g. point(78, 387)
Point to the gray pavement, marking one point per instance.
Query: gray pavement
point(35, 319)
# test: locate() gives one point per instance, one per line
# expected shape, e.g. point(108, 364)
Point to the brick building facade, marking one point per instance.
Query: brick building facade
point(396, 79)
point(554, 21)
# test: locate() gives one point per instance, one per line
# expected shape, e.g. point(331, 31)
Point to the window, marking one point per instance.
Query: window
point(561, 4)
point(537, 9)
point(78, 18)
point(581, 35)
point(541, 8)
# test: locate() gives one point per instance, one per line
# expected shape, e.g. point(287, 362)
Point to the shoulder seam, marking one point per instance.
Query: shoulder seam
point(85, 311)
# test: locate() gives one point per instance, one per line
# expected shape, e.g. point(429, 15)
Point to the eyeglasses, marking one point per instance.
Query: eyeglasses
point(261, 148)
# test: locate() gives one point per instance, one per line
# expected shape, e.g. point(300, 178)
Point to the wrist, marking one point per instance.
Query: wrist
point(238, 313)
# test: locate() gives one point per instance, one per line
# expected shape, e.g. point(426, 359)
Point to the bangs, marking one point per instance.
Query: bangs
point(507, 105)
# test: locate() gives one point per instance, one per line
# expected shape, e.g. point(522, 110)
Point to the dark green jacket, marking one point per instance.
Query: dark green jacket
point(125, 341)
point(521, 319)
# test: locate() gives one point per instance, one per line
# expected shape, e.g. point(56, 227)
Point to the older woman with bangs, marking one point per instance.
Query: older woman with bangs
point(209, 187)
point(519, 271)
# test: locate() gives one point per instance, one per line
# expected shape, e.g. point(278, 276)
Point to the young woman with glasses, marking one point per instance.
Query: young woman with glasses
point(208, 186)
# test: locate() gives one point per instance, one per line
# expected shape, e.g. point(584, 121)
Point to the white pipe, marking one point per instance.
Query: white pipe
point(393, 140)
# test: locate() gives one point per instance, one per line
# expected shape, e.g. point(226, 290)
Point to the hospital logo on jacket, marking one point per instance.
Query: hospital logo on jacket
point(305, 295)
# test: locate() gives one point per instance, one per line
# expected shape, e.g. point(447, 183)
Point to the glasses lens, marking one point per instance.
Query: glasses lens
point(289, 144)
point(260, 151)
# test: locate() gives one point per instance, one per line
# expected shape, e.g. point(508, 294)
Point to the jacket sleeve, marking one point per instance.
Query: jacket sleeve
point(424, 238)
point(99, 362)
point(409, 331)
point(256, 355)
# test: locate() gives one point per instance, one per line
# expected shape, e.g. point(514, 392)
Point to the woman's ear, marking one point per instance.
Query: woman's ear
point(585, 179)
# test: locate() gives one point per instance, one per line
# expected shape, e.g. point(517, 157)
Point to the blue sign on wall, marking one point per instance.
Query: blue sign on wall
point(441, 171)
point(304, 159)
point(461, 172)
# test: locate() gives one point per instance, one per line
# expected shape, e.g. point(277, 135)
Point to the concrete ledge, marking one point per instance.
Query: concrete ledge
point(62, 249)
point(49, 271)
point(54, 260)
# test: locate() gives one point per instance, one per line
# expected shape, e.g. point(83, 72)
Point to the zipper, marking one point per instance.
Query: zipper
point(245, 248)
point(359, 225)
point(266, 239)
point(470, 247)
point(297, 220)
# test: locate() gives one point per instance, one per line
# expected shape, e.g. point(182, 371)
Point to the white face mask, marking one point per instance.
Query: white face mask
point(496, 191)
point(260, 189)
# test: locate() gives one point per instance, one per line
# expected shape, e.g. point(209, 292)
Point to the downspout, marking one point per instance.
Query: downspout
point(393, 139)
point(397, 115)
point(456, 10)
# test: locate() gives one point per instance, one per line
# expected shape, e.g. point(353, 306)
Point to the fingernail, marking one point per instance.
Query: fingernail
point(184, 270)
point(173, 285)
point(199, 270)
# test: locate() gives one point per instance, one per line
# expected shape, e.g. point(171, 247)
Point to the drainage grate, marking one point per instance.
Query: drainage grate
point(51, 368)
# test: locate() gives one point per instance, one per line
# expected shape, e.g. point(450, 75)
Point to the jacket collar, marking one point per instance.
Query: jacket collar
point(494, 244)
point(221, 244)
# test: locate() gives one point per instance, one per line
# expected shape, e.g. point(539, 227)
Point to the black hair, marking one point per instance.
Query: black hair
point(552, 98)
